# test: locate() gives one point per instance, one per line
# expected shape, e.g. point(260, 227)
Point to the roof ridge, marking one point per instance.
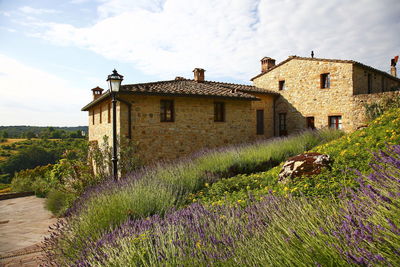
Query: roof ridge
point(156, 82)
point(230, 83)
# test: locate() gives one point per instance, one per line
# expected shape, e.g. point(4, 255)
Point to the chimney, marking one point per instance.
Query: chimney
point(393, 63)
point(179, 78)
point(199, 75)
point(97, 92)
point(267, 63)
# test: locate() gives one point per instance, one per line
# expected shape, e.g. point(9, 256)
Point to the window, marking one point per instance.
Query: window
point(101, 111)
point(282, 124)
point(166, 110)
point(326, 80)
point(310, 123)
point(92, 116)
point(282, 85)
point(219, 111)
point(369, 83)
point(109, 113)
point(335, 122)
point(260, 121)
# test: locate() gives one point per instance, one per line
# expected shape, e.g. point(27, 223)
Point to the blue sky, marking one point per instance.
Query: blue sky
point(53, 52)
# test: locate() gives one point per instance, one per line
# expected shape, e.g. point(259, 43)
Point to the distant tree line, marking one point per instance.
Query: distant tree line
point(42, 132)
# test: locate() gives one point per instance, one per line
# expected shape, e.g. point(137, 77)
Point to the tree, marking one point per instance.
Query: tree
point(29, 158)
point(30, 134)
point(55, 134)
point(4, 134)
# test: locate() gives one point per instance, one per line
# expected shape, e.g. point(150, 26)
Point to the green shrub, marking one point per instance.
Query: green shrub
point(36, 180)
point(5, 178)
point(58, 201)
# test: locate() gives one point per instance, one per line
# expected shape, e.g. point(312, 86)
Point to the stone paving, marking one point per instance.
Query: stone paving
point(23, 224)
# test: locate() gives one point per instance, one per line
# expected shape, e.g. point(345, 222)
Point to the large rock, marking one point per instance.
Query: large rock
point(303, 165)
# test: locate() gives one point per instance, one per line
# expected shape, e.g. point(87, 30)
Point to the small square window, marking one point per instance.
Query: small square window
point(282, 85)
point(167, 111)
point(335, 122)
point(326, 80)
point(219, 111)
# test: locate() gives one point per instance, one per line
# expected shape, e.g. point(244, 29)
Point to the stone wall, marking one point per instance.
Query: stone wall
point(266, 103)
point(98, 130)
point(379, 82)
point(193, 129)
point(303, 96)
point(361, 100)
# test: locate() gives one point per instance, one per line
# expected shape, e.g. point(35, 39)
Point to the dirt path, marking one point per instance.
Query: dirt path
point(23, 224)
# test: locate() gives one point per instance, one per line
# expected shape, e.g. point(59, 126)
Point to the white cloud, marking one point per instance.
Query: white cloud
point(5, 13)
point(228, 38)
point(30, 96)
point(37, 11)
point(116, 7)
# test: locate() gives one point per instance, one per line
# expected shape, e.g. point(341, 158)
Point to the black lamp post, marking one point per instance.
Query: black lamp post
point(114, 84)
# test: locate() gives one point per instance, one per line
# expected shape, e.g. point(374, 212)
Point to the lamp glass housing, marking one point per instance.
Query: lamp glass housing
point(114, 81)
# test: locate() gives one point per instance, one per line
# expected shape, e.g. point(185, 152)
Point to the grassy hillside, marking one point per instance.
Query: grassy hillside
point(248, 219)
point(349, 153)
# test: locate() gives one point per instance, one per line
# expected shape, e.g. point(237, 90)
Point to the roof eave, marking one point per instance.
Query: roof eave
point(94, 102)
point(379, 71)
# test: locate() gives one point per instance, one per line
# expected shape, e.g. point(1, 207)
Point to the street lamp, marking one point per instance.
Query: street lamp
point(114, 85)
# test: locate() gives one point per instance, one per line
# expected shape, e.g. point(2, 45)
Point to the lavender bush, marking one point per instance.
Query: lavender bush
point(362, 227)
point(156, 189)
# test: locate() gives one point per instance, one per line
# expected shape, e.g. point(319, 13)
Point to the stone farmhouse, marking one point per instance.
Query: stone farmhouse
point(170, 119)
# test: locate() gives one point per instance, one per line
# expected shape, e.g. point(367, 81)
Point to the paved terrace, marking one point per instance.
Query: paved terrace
point(23, 224)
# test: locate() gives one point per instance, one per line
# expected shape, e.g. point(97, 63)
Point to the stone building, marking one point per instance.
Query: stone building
point(170, 119)
point(318, 93)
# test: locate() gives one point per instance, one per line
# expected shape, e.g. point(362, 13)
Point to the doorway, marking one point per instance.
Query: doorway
point(282, 125)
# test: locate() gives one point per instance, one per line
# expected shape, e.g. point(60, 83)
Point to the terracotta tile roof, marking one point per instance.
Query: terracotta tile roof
point(243, 88)
point(327, 60)
point(187, 87)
